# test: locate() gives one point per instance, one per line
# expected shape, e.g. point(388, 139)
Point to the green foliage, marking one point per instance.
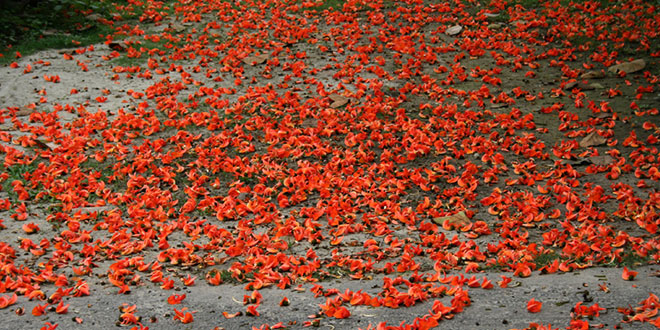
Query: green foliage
point(327, 4)
point(631, 259)
point(16, 172)
point(544, 259)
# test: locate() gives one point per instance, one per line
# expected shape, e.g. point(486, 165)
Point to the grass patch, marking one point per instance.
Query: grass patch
point(17, 172)
point(227, 276)
point(331, 273)
point(631, 259)
point(327, 4)
point(545, 259)
point(125, 61)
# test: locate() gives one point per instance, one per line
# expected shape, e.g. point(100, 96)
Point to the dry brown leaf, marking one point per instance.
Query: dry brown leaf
point(256, 60)
point(91, 209)
point(602, 115)
point(577, 162)
point(628, 67)
point(337, 100)
point(602, 160)
point(24, 111)
point(45, 144)
point(459, 219)
point(177, 27)
point(310, 122)
point(570, 85)
point(593, 75)
point(454, 30)
point(580, 85)
point(67, 51)
point(592, 139)
point(585, 87)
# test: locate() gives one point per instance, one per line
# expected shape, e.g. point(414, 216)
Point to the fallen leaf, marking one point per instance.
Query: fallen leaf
point(499, 105)
point(602, 115)
point(24, 111)
point(593, 75)
point(578, 84)
point(337, 100)
point(457, 220)
point(628, 67)
point(177, 27)
point(454, 30)
point(91, 209)
point(578, 162)
point(592, 139)
point(256, 60)
point(601, 160)
point(42, 143)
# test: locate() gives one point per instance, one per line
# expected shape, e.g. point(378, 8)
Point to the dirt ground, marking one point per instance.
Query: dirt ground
point(419, 153)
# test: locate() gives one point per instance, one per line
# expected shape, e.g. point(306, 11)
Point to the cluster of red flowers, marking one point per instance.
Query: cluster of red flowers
point(379, 137)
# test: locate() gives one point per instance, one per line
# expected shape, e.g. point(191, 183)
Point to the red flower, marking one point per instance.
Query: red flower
point(534, 306)
point(628, 275)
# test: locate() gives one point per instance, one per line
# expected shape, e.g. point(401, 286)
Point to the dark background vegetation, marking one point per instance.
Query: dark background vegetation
point(32, 25)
